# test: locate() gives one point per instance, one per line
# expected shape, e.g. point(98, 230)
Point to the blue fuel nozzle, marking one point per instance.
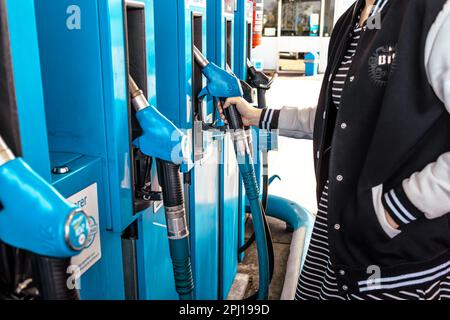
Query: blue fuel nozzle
point(34, 216)
point(221, 83)
point(161, 138)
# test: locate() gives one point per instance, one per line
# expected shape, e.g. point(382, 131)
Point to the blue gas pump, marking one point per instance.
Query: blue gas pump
point(179, 26)
point(87, 50)
point(45, 229)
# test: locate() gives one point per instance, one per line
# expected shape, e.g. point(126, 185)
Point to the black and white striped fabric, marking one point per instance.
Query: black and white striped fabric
point(341, 75)
point(269, 119)
point(317, 280)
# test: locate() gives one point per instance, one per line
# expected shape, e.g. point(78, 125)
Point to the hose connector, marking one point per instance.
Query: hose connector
point(177, 228)
point(6, 154)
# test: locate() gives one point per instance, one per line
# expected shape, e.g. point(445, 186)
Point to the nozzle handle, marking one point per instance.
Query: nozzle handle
point(234, 118)
point(261, 98)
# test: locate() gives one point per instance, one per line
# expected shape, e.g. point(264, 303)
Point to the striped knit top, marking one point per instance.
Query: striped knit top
point(341, 75)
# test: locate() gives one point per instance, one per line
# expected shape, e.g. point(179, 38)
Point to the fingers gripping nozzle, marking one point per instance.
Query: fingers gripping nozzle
point(161, 138)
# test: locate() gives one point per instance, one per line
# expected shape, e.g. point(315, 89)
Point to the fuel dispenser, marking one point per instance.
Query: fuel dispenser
point(221, 44)
point(88, 49)
point(179, 27)
point(39, 230)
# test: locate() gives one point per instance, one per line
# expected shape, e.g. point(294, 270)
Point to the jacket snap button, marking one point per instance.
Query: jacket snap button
point(337, 226)
point(342, 272)
point(339, 178)
point(352, 78)
point(344, 287)
point(344, 125)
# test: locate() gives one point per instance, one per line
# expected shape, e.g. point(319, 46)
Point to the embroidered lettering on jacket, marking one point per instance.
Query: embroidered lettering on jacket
point(381, 64)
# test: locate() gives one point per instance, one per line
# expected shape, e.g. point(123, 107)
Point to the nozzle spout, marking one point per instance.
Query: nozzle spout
point(134, 89)
point(6, 154)
point(249, 63)
point(200, 59)
point(138, 99)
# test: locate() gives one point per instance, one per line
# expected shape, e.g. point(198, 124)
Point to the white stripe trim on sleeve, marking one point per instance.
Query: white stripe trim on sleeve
point(394, 209)
point(400, 205)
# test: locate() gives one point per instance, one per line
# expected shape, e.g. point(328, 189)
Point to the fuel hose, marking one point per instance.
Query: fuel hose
point(247, 172)
point(261, 82)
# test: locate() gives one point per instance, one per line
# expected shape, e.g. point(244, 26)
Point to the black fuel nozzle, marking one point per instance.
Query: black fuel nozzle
point(260, 81)
point(248, 91)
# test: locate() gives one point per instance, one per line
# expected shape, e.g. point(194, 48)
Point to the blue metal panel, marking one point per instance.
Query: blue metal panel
point(28, 85)
point(155, 271)
point(76, 129)
point(173, 26)
point(104, 280)
point(229, 174)
point(85, 90)
point(115, 79)
point(86, 107)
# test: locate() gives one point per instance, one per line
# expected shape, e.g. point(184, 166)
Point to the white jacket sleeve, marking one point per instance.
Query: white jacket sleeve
point(290, 121)
point(427, 193)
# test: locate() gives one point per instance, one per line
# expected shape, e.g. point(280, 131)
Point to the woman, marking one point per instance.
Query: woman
point(381, 134)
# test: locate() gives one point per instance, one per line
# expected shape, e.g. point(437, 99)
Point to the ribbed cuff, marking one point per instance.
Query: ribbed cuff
point(269, 119)
point(400, 208)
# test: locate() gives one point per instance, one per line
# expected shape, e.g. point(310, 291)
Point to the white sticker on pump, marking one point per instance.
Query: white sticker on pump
point(87, 199)
point(195, 3)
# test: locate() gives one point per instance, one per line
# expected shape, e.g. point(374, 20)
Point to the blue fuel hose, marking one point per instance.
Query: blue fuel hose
point(247, 171)
point(177, 231)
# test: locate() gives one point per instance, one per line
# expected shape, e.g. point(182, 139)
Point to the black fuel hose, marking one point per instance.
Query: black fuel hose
point(53, 278)
point(178, 234)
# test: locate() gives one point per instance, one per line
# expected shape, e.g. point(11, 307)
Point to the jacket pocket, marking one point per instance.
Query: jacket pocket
point(377, 193)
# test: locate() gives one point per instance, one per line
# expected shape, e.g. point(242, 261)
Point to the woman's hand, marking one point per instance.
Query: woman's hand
point(391, 221)
point(250, 115)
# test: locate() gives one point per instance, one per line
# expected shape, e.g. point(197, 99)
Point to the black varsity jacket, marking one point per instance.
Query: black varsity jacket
point(387, 148)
